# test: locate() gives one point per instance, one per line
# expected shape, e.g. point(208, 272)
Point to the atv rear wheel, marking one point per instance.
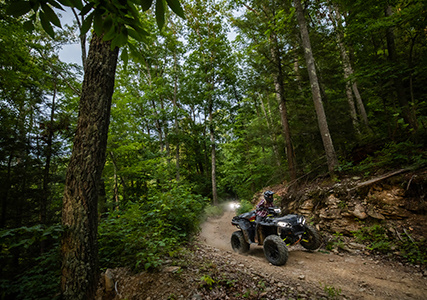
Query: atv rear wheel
point(238, 242)
point(311, 238)
point(275, 250)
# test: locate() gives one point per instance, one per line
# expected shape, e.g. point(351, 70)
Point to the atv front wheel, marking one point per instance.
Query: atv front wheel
point(238, 242)
point(311, 238)
point(275, 250)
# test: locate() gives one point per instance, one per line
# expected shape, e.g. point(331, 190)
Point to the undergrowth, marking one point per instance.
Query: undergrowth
point(406, 154)
point(145, 233)
point(379, 240)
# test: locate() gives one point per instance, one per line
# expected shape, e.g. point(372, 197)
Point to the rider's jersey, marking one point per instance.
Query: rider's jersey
point(262, 208)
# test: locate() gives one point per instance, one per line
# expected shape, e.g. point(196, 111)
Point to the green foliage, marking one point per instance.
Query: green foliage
point(332, 292)
point(207, 281)
point(391, 156)
point(35, 275)
point(413, 251)
point(117, 21)
point(336, 242)
point(377, 239)
point(144, 233)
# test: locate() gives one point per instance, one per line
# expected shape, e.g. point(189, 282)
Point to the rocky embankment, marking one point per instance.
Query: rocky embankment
point(396, 200)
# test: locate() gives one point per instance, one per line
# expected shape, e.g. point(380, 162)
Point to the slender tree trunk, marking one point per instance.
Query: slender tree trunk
point(280, 96)
point(351, 84)
point(82, 37)
point(79, 247)
point(360, 105)
point(46, 193)
point(175, 108)
point(315, 89)
point(407, 111)
point(116, 181)
point(270, 129)
point(298, 76)
point(213, 154)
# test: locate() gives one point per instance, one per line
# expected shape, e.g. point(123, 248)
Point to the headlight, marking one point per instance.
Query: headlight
point(301, 220)
point(283, 224)
point(277, 210)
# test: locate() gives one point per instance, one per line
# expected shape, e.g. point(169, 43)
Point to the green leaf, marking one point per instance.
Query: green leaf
point(120, 40)
point(29, 26)
point(87, 8)
point(51, 15)
point(136, 54)
point(46, 25)
point(108, 22)
point(55, 4)
point(176, 7)
point(98, 23)
point(160, 13)
point(110, 34)
point(125, 57)
point(87, 23)
point(18, 8)
point(146, 4)
point(77, 4)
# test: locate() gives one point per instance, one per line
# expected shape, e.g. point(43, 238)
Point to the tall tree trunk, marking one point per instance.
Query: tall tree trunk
point(175, 109)
point(315, 89)
point(46, 193)
point(280, 96)
point(407, 111)
point(213, 154)
point(351, 84)
point(270, 129)
point(79, 247)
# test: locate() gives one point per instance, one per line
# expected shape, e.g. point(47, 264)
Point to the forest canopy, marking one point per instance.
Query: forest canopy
point(210, 100)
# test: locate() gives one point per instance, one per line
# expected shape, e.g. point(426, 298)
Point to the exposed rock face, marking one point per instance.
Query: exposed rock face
point(344, 208)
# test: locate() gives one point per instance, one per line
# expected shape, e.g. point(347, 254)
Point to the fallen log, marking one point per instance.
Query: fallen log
point(385, 176)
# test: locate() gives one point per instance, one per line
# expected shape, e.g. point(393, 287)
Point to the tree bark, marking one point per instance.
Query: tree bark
point(270, 129)
point(408, 112)
point(213, 155)
point(315, 89)
point(351, 84)
point(79, 247)
point(175, 109)
point(280, 96)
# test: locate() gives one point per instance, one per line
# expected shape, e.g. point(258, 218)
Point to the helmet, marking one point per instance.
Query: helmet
point(268, 196)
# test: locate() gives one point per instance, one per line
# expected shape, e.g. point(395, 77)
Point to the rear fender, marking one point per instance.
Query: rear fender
point(243, 225)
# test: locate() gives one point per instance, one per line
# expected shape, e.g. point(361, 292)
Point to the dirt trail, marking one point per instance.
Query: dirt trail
point(358, 277)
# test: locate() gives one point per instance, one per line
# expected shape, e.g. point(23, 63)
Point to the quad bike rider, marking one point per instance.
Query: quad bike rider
point(265, 227)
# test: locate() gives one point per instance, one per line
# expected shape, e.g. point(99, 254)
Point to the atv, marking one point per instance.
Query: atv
point(274, 233)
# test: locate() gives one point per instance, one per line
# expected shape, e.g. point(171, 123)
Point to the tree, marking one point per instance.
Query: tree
point(112, 25)
point(315, 89)
point(211, 61)
point(351, 84)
